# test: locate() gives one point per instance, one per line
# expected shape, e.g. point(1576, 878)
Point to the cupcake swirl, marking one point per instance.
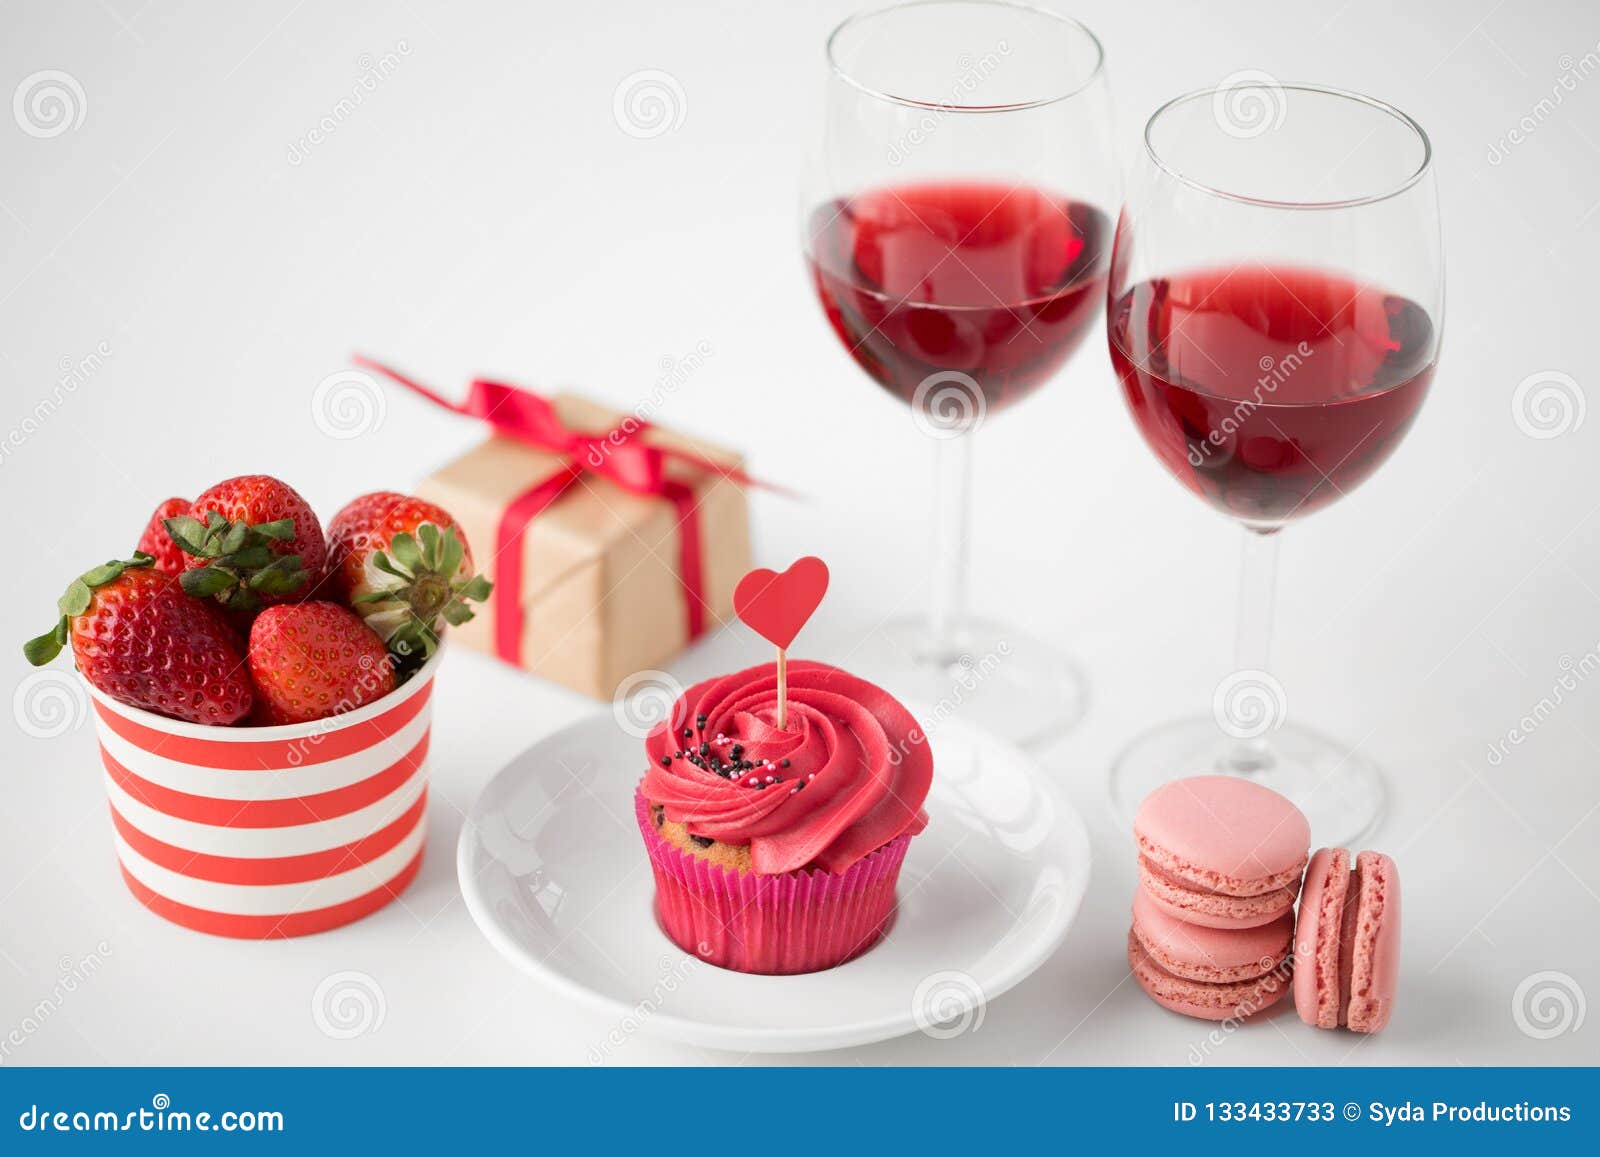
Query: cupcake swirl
point(849, 774)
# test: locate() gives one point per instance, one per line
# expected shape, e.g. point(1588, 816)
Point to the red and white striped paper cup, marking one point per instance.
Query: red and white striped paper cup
point(265, 832)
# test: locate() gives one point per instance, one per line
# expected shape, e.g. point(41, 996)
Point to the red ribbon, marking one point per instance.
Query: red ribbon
point(617, 454)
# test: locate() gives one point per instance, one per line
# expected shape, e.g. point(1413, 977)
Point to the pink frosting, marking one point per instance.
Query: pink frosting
point(858, 769)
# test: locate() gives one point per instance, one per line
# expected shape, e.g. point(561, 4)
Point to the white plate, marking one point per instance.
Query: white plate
point(553, 870)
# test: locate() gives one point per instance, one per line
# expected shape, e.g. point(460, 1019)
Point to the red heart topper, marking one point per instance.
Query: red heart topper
point(776, 606)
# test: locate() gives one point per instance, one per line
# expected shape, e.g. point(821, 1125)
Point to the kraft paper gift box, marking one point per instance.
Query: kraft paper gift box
point(602, 593)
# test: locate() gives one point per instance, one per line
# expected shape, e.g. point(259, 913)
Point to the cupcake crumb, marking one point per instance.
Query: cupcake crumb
point(733, 857)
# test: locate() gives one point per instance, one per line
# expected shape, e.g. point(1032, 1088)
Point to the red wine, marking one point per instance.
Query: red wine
point(1270, 391)
point(995, 281)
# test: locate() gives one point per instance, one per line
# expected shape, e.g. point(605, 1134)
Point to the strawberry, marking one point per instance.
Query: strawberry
point(404, 565)
point(158, 544)
point(252, 541)
point(315, 659)
point(140, 639)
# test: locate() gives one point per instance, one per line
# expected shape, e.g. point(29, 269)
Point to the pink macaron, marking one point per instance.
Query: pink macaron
point(1211, 955)
point(1221, 851)
point(1347, 941)
point(1233, 1001)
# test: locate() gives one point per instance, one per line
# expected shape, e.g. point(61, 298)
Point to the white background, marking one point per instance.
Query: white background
point(482, 211)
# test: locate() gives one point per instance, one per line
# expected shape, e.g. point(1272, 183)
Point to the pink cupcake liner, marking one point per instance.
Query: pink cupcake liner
point(802, 921)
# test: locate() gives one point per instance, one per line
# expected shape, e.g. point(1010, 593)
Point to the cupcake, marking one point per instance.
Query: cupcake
point(776, 850)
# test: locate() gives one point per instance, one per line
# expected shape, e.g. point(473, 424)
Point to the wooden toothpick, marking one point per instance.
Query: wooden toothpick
point(783, 690)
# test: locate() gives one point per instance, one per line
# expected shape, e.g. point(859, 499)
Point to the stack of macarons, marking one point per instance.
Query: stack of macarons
point(1221, 862)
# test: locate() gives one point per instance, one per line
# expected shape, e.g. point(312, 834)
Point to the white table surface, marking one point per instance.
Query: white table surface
point(480, 209)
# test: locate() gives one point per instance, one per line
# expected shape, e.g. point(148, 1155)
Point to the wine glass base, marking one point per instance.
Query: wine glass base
point(1340, 791)
point(989, 674)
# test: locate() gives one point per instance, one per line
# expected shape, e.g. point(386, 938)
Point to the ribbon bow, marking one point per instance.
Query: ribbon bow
point(618, 454)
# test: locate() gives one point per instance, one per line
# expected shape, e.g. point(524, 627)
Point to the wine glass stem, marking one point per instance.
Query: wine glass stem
point(952, 525)
point(1258, 584)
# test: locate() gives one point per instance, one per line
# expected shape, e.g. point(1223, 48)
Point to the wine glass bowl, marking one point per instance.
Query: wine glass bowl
point(957, 220)
point(1270, 390)
point(998, 282)
point(1274, 312)
point(956, 223)
point(1271, 314)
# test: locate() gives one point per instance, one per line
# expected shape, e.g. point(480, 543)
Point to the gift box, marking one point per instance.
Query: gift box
point(612, 543)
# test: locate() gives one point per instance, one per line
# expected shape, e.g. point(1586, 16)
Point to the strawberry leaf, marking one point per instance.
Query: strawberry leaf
point(47, 646)
point(250, 558)
point(76, 600)
point(452, 554)
point(432, 584)
point(239, 554)
point(281, 531)
point(280, 578)
point(99, 576)
point(404, 549)
point(187, 533)
point(234, 539)
point(206, 581)
point(415, 637)
point(381, 561)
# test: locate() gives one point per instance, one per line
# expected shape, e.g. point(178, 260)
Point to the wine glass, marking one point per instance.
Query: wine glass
point(1274, 313)
point(957, 226)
